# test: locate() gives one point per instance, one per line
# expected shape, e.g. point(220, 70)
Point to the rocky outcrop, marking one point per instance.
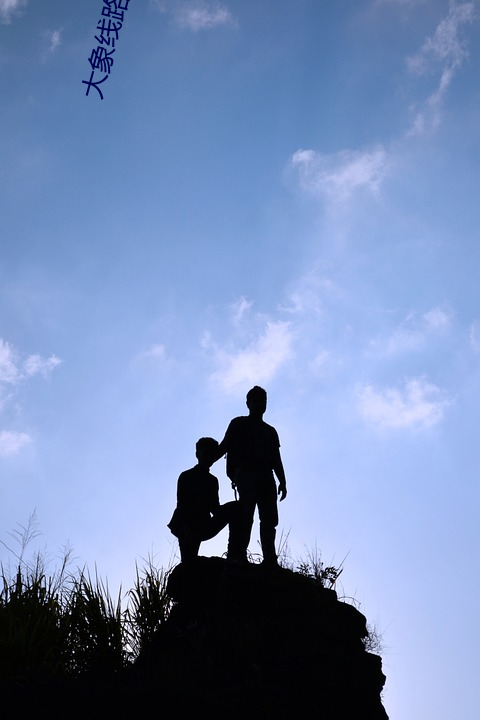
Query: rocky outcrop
point(240, 642)
point(246, 641)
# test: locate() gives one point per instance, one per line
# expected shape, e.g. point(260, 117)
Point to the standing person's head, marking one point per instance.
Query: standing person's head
point(257, 401)
point(205, 451)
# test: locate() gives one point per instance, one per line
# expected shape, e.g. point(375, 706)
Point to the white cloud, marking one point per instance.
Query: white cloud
point(55, 39)
point(337, 176)
point(445, 43)
point(418, 404)
point(202, 15)
point(157, 353)
point(36, 365)
point(310, 293)
point(437, 319)
point(240, 309)
point(12, 442)
point(475, 336)
point(444, 47)
point(9, 8)
point(14, 371)
point(320, 361)
point(256, 363)
point(416, 330)
point(155, 359)
point(398, 2)
point(9, 372)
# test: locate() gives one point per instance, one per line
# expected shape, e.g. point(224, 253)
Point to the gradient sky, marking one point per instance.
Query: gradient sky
point(272, 192)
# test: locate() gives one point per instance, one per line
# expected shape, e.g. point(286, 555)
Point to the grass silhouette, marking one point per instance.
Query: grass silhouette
point(63, 623)
point(66, 623)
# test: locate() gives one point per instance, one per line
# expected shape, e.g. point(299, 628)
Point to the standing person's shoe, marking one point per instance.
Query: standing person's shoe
point(270, 562)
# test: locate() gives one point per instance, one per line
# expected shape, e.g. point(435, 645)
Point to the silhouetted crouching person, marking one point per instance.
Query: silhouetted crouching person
point(253, 455)
point(199, 515)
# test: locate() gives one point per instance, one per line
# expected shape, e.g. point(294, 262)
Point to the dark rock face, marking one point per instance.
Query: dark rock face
point(241, 643)
point(246, 641)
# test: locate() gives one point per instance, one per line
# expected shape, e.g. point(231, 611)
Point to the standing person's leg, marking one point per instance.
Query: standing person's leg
point(237, 550)
point(268, 514)
point(247, 493)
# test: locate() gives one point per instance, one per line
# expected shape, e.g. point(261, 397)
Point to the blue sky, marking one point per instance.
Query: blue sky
point(273, 192)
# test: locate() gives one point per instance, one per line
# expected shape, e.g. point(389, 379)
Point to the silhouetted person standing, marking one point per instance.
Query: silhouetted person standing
point(253, 456)
point(199, 515)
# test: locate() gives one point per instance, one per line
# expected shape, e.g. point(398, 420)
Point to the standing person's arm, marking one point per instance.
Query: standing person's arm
point(226, 443)
point(223, 446)
point(280, 473)
point(221, 450)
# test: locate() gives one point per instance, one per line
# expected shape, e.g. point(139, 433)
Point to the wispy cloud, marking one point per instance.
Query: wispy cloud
point(12, 442)
point(54, 38)
point(445, 50)
point(445, 44)
point(196, 15)
point(9, 372)
point(155, 361)
point(10, 8)
point(414, 332)
point(15, 370)
point(339, 175)
point(156, 353)
point(418, 404)
point(37, 365)
point(475, 336)
point(257, 362)
point(399, 2)
point(310, 292)
point(202, 15)
point(240, 310)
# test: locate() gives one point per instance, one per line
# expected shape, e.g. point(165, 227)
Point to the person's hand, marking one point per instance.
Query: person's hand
point(282, 491)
